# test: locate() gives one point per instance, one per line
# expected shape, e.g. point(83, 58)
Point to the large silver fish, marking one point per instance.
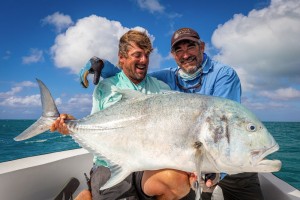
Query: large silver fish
point(188, 132)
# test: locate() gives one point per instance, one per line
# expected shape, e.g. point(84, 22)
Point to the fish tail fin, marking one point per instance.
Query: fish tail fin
point(50, 113)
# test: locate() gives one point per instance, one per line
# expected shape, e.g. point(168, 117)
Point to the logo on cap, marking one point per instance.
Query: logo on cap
point(184, 31)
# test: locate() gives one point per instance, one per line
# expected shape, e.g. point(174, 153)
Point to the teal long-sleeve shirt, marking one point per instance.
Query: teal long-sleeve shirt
point(104, 97)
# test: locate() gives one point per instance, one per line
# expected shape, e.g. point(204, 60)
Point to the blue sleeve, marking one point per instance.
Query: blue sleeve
point(160, 75)
point(109, 69)
point(166, 75)
point(222, 175)
point(228, 85)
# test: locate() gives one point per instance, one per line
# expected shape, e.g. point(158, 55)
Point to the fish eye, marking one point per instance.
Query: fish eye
point(251, 127)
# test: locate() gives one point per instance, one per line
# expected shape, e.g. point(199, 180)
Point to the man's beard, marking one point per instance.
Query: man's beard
point(191, 68)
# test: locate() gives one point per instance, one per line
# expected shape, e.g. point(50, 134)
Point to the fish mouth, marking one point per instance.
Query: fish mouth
point(263, 164)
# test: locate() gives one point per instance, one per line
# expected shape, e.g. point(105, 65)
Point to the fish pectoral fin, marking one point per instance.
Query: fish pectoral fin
point(118, 174)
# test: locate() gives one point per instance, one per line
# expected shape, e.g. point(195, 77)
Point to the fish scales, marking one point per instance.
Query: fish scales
point(141, 127)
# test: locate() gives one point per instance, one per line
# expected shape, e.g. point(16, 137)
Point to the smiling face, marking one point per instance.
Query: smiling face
point(135, 63)
point(134, 50)
point(188, 55)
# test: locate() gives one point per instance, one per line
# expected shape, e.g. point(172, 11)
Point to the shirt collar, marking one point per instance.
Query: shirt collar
point(206, 63)
point(127, 80)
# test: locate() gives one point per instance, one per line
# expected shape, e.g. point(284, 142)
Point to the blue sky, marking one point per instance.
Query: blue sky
point(52, 39)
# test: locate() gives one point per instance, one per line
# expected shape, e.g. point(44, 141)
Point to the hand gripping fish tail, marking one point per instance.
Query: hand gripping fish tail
point(50, 113)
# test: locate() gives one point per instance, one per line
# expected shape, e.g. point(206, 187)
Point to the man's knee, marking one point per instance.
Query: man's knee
point(179, 182)
point(172, 183)
point(84, 195)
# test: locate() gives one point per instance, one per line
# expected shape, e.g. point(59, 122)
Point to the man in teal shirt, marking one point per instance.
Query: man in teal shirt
point(134, 50)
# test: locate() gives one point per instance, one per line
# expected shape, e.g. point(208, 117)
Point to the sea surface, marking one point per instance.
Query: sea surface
point(287, 134)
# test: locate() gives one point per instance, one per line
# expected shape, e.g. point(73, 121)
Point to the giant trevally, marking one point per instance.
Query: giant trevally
point(188, 132)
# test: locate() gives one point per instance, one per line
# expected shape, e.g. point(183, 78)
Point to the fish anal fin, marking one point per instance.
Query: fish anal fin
point(118, 174)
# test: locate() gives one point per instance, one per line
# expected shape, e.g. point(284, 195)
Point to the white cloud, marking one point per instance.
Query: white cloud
point(151, 5)
point(12, 98)
point(14, 101)
point(282, 94)
point(90, 36)
point(84, 99)
point(155, 7)
point(10, 93)
point(263, 106)
point(155, 59)
point(58, 20)
point(58, 101)
point(26, 84)
point(71, 106)
point(18, 88)
point(34, 57)
point(263, 46)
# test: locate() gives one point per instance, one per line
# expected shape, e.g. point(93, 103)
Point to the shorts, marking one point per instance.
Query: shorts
point(129, 189)
point(243, 186)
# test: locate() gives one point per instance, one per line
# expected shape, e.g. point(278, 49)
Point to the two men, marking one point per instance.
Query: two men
point(134, 50)
point(198, 73)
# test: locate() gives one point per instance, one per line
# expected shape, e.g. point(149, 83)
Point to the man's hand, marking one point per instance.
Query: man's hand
point(93, 66)
point(194, 181)
point(209, 182)
point(59, 124)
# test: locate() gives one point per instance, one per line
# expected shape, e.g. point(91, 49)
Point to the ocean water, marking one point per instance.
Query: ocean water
point(287, 134)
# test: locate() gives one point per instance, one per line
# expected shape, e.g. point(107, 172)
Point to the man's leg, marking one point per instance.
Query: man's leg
point(84, 195)
point(124, 189)
point(243, 186)
point(190, 196)
point(163, 184)
point(99, 176)
point(166, 184)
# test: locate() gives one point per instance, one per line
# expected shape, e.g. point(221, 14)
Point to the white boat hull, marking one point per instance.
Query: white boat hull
point(43, 177)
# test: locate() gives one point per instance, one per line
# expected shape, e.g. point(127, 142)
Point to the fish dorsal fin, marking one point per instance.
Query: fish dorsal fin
point(118, 174)
point(128, 93)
